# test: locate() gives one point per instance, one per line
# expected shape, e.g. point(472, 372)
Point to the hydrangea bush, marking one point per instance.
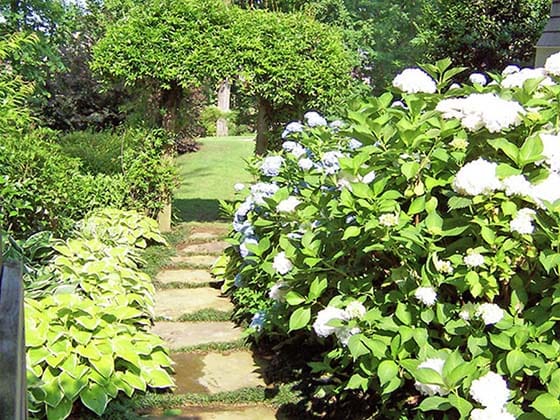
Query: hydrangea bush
point(418, 241)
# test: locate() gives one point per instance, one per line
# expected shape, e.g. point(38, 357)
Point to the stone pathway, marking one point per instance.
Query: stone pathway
point(186, 289)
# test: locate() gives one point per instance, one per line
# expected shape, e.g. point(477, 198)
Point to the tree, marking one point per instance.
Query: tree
point(287, 62)
point(483, 34)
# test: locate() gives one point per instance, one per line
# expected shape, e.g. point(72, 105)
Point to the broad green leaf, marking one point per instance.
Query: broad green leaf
point(515, 360)
point(357, 381)
point(351, 232)
point(159, 378)
point(318, 286)
point(294, 298)
point(386, 371)
point(299, 319)
point(548, 406)
point(435, 403)
point(61, 411)
point(94, 398)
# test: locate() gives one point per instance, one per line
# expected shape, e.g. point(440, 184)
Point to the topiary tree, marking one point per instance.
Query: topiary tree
point(287, 62)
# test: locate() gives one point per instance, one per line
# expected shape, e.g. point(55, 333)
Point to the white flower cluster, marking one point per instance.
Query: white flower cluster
point(426, 295)
point(519, 77)
point(389, 219)
point(313, 119)
point(262, 190)
point(354, 144)
point(271, 165)
point(551, 150)
point(490, 313)
point(552, 64)
point(414, 81)
point(294, 148)
point(523, 222)
point(443, 266)
point(293, 127)
point(306, 164)
point(281, 263)
point(477, 177)
point(478, 79)
point(288, 205)
point(473, 259)
point(490, 391)
point(325, 316)
point(330, 162)
point(517, 185)
point(480, 110)
point(436, 364)
point(278, 291)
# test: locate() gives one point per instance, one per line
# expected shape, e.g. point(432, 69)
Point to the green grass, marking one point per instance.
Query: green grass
point(158, 256)
point(219, 347)
point(209, 175)
point(206, 315)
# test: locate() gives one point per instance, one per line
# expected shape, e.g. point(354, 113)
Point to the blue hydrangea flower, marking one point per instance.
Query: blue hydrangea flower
point(271, 165)
point(293, 127)
point(258, 320)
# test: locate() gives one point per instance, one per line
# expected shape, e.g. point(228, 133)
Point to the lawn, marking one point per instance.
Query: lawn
point(209, 175)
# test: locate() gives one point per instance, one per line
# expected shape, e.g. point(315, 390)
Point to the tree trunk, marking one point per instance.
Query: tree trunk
point(170, 101)
point(263, 125)
point(224, 96)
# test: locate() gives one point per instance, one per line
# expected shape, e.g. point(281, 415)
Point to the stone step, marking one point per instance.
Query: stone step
point(172, 303)
point(254, 412)
point(184, 276)
point(210, 248)
point(216, 230)
point(211, 373)
point(194, 260)
point(185, 334)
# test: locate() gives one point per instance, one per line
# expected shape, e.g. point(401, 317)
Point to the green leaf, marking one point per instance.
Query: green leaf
point(403, 314)
point(299, 318)
point(386, 371)
point(515, 360)
point(61, 411)
point(463, 406)
point(318, 286)
point(410, 169)
point(435, 403)
point(104, 365)
point(428, 376)
point(352, 232)
point(418, 205)
point(357, 347)
point(357, 381)
point(293, 298)
point(70, 386)
point(159, 378)
point(531, 151)
point(507, 147)
point(94, 398)
point(457, 202)
point(548, 406)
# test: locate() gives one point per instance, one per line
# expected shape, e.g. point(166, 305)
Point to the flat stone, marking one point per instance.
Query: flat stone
point(172, 303)
point(216, 229)
point(214, 248)
point(184, 276)
point(216, 372)
point(198, 260)
point(184, 334)
point(204, 236)
point(255, 412)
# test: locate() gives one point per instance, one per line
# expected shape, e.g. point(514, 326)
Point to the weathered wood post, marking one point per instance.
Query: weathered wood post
point(224, 97)
point(549, 42)
point(13, 385)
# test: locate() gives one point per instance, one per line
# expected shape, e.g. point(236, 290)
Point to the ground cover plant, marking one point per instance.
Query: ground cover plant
point(87, 318)
point(416, 241)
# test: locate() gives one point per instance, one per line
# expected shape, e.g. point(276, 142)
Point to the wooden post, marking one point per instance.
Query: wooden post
point(549, 42)
point(224, 97)
point(13, 385)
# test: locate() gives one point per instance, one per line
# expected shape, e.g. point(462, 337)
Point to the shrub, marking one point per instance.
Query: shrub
point(418, 244)
point(87, 333)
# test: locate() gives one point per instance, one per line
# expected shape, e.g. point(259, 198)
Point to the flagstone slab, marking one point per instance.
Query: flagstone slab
point(255, 412)
point(204, 236)
point(216, 372)
point(214, 248)
point(185, 334)
point(197, 260)
point(172, 303)
point(184, 276)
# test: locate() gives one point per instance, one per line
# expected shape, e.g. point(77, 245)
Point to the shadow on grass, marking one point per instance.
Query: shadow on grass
point(197, 210)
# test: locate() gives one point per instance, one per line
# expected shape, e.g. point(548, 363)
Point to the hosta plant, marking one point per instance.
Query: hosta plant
point(87, 318)
point(418, 242)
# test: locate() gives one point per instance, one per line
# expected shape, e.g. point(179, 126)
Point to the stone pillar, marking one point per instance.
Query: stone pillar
point(164, 218)
point(224, 96)
point(549, 42)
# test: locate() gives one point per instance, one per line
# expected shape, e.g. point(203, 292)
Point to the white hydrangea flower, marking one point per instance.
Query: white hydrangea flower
point(293, 127)
point(511, 69)
point(473, 259)
point(288, 205)
point(305, 164)
point(398, 104)
point(523, 222)
point(552, 64)
point(355, 309)
point(289, 145)
point(480, 110)
point(491, 413)
point(518, 78)
point(414, 80)
point(551, 151)
point(389, 219)
point(263, 190)
point(281, 263)
point(454, 86)
point(517, 185)
point(490, 390)
point(314, 119)
point(278, 291)
point(490, 313)
point(426, 295)
point(547, 190)
point(478, 79)
point(330, 161)
point(326, 315)
point(243, 250)
point(443, 266)
point(477, 177)
point(271, 165)
point(336, 125)
point(367, 178)
point(431, 389)
point(354, 144)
